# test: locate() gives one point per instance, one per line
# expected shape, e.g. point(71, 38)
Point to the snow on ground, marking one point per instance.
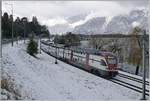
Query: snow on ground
point(40, 78)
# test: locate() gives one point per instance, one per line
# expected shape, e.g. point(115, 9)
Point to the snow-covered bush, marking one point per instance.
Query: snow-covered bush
point(8, 90)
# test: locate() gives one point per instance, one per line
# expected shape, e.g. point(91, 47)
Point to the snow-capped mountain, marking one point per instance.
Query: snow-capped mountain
point(94, 25)
point(100, 25)
point(126, 23)
point(139, 16)
point(119, 24)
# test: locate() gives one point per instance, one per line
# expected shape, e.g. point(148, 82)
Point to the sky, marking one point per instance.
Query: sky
point(56, 12)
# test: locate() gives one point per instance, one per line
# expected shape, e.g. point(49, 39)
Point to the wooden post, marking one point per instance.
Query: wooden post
point(87, 61)
point(71, 57)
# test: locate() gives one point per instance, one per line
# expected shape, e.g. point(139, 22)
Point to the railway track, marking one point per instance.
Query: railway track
point(128, 85)
point(132, 78)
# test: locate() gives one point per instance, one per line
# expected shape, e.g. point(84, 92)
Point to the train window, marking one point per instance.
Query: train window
point(103, 63)
point(111, 61)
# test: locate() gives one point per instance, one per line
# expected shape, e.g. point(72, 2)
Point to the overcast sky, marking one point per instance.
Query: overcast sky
point(53, 12)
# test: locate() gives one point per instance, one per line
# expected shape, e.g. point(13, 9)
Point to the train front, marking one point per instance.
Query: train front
point(112, 63)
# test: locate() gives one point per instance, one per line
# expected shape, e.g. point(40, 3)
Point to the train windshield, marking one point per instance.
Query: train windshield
point(111, 60)
point(103, 63)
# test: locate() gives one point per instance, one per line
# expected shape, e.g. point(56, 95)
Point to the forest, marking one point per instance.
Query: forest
point(21, 27)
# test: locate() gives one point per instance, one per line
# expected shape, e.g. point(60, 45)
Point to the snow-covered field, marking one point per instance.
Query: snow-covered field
point(41, 79)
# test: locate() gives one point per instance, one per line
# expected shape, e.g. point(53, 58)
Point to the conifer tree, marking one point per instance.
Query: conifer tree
point(32, 47)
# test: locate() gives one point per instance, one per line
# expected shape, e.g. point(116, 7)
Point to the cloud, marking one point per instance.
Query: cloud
point(134, 3)
point(55, 12)
point(90, 16)
point(135, 24)
point(54, 21)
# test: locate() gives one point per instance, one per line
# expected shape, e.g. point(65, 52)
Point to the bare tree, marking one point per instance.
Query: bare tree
point(135, 50)
point(96, 43)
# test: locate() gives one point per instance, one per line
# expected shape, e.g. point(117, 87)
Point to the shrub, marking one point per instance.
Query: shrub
point(32, 47)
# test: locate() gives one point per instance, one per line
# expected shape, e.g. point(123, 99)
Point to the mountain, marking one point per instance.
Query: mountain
point(119, 24)
point(122, 24)
point(125, 23)
point(140, 16)
point(60, 28)
point(67, 27)
point(76, 18)
point(137, 15)
point(94, 25)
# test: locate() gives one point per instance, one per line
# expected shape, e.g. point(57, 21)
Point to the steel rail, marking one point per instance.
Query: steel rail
point(132, 78)
point(122, 83)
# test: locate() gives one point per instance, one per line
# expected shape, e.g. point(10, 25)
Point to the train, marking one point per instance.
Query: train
point(100, 63)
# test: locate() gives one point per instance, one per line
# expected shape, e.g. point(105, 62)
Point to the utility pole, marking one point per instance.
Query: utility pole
point(24, 21)
point(144, 69)
point(12, 26)
point(56, 55)
point(0, 34)
point(24, 32)
point(40, 43)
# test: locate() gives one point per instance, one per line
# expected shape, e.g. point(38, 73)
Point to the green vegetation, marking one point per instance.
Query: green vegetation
point(21, 26)
point(32, 47)
point(68, 39)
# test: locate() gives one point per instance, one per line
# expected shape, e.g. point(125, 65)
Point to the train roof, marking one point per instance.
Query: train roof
point(93, 51)
point(85, 50)
point(104, 53)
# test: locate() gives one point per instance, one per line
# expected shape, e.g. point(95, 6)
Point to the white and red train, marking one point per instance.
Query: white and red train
point(103, 63)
